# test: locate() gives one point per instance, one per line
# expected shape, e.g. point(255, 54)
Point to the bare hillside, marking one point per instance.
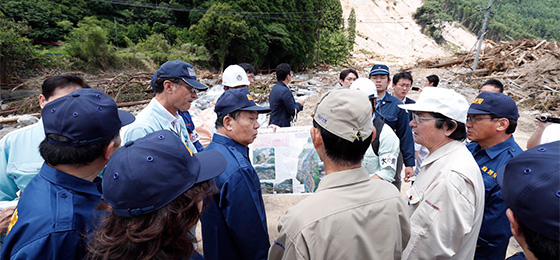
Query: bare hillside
point(387, 32)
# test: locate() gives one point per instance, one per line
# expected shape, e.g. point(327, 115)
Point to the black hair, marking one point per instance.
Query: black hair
point(433, 79)
point(460, 132)
point(248, 68)
point(220, 119)
point(282, 71)
point(341, 151)
point(402, 75)
point(494, 82)
point(61, 81)
point(512, 123)
point(158, 83)
point(344, 73)
point(541, 246)
point(71, 155)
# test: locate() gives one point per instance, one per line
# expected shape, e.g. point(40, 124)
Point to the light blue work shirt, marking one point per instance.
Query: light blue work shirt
point(20, 160)
point(155, 117)
point(384, 165)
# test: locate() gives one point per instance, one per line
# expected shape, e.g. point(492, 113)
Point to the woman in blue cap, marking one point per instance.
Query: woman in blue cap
point(155, 186)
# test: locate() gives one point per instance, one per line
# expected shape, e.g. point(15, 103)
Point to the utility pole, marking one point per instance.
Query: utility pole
point(481, 35)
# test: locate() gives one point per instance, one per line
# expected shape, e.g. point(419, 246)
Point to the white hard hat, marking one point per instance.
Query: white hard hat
point(235, 76)
point(366, 86)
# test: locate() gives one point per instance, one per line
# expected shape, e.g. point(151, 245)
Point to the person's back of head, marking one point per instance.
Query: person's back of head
point(530, 185)
point(248, 68)
point(492, 85)
point(283, 70)
point(61, 81)
point(345, 122)
point(433, 79)
point(80, 126)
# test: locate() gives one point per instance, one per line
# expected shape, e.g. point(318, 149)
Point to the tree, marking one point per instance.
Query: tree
point(89, 43)
point(352, 28)
point(217, 31)
point(16, 51)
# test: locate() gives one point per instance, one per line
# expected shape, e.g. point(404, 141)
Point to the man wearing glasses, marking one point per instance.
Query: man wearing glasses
point(176, 87)
point(446, 202)
point(491, 121)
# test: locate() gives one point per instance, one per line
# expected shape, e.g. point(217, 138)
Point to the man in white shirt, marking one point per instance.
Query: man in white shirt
point(447, 199)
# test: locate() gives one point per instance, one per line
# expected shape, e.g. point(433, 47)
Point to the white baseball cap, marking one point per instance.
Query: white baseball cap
point(235, 76)
point(440, 100)
point(366, 86)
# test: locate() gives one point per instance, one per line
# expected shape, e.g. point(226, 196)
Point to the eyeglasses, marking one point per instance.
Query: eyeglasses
point(475, 119)
point(189, 88)
point(418, 119)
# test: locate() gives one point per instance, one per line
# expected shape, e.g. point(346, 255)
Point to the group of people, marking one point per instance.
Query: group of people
point(85, 196)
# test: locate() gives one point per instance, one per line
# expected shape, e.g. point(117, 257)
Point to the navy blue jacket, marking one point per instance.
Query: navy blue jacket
point(398, 119)
point(234, 225)
point(495, 231)
point(283, 106)
point(409, 101)
point(54, 214)
point(190, 128)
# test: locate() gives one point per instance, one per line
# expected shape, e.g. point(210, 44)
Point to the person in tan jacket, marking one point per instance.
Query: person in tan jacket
point(350, 216)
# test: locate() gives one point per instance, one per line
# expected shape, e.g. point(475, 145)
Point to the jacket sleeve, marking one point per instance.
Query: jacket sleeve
point(404, 132)
point(290, 103)
point(8, 187)
point(243, 218)
point(131, 134)
point(388, 154)
point(440, 222)
point(284, 247)
point(59, 245)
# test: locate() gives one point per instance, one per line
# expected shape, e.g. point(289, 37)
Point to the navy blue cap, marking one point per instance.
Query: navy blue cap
point(237, 99)
point(85, 116)
point(379, 69)
point(180, 70)
point(148, 173)
point(530, 185)
point(494, 103)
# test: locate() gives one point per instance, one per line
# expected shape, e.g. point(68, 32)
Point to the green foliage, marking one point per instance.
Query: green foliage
point(334, 48)
point(352, 28)
point(88, 44)
point(430, 18)
point(17, 54)
point(217, 32)
point(514, 19)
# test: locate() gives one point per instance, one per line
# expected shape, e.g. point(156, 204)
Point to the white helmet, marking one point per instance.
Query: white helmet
point(366, 86)
point(235, 76)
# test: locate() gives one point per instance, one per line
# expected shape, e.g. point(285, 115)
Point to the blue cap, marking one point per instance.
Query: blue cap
point(148, 173)
point(180, 70)
point(494, 103)
point(237, 99)
point(379, 69)
point(85, 116)
point(530, 185)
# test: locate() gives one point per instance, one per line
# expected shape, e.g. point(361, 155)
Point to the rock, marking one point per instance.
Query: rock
point(26, 120)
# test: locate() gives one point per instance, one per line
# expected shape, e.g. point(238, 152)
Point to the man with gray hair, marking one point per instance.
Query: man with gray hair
point(350, 216)
point(447, 199)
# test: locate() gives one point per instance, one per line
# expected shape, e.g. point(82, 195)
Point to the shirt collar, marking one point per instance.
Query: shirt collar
point(170, 117)
point(343, 178)
point(496, 150)
point(70, 182)
point(442, 151)
point(226, 141)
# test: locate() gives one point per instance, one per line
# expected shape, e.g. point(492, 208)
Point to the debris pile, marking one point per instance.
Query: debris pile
point(529, 68)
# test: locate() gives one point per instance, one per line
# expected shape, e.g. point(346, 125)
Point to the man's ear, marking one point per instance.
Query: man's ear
point(514, 224)
point(228, 121)
point(316, 137)
point(42, 101)
point(111, 148)
point(503, 124)
point(168, 86)
point(449, 131)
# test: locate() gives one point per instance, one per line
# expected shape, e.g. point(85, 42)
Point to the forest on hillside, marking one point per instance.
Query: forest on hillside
point(510, 20)
point(100, 34)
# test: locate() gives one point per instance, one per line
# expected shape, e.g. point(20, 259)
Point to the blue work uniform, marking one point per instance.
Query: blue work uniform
point(398, 119)
point(191, 129)
point(53, 217)
point(234, 225)
point(283, 106)
point(495, 231)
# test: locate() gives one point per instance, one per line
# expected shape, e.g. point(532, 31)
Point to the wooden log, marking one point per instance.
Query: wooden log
point(15, 118)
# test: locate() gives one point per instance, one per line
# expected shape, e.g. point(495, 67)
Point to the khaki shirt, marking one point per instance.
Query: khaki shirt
point(350, 216)
point(446, 205)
